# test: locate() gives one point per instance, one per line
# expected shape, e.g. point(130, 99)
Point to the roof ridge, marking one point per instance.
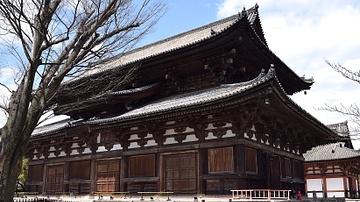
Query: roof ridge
point(183, 39)
point(211, 24)
point(239, 16)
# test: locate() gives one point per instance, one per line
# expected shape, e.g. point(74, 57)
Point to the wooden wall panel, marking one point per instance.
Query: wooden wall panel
point(275, 170)
point(221, 160)
point(287, 167)
point(35, 173)
point(80, 170)
point(108, 176)
point(297, 169)
point(54, 179)
point(142, 166)
point(250, 160)
point(180, 173)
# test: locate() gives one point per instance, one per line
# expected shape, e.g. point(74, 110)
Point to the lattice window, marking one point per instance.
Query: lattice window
point(142, 166)
point(221, 160)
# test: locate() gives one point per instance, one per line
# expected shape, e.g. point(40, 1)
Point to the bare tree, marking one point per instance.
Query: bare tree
point(55, 39)
point(352, 111)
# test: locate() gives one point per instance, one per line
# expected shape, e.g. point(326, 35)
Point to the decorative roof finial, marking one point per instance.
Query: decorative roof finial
point(243, 12)
point(256, 6)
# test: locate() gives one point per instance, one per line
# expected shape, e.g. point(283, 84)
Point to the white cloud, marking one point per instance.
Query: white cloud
point(303, 33)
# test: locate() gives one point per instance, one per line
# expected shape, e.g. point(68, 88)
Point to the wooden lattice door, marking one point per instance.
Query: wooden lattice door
point(108, 176)
point(180, 173)
point(54, 179)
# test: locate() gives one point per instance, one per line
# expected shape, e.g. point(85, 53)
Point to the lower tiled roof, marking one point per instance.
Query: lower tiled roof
point(191, 99)
point(169, 104)
point(333, 151)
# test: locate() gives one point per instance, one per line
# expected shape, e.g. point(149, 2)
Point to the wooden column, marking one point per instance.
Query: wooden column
point(44, 179)
point(160, 171)
point(124, 173)
point(239, 165)
point(346, 194)
point(93, 176)
point(66, 175)
point(239, 159)
point(203, 169)
point(324, 188)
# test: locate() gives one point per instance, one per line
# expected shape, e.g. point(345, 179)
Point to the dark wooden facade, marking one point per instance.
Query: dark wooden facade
point(208, 111)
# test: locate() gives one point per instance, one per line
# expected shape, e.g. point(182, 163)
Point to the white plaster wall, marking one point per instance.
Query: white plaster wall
point(117, 147)
point(314, 185)
point(101, 149)
point(133, 145)
point(335, 184)
point(335, 194)
point(229, 133)
point(170, 140)
point(191, 138)
point(210, 136)
point(87, 151)
point(151, 143)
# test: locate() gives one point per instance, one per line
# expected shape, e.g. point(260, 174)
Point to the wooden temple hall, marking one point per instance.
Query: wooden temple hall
point(207, 111)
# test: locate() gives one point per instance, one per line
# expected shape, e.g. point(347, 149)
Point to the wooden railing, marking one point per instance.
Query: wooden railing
point(266, 194)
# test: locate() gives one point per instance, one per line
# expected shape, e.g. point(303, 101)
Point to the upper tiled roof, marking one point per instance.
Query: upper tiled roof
point(333, 151)
point(176, 42)
point(340, 128)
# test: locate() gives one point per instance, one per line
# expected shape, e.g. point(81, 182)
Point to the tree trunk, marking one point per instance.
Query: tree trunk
point(10, 167)
point(12, 151)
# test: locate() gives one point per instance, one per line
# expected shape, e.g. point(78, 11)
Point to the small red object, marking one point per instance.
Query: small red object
point(299, 196)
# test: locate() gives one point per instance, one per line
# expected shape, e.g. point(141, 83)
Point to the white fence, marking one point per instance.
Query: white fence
point(266, 194)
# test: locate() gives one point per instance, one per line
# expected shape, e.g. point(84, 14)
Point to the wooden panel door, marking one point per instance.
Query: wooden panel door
point(275, 172)
point(180, 173)
point(108, 176)
point(54, 179)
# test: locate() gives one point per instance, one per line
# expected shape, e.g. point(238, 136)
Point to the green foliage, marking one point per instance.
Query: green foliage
point(23, 175)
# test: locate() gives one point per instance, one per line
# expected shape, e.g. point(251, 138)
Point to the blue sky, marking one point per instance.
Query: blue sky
point(300, 32)
point(303, 33)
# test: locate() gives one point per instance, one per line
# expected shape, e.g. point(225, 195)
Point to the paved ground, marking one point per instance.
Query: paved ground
point(131, 199)
point(171, 198)
point(147, 199)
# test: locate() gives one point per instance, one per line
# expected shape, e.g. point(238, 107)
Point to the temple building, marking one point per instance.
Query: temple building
point(332, 170)
point(202, 112)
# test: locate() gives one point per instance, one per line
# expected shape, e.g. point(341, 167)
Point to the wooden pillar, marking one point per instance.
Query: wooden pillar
point(161, 170)
point(93, 176)
point(239, 159)
point(346, 188)
point(324, 186)
point(124, 173)
point(239, 165)
point(66, 176)
point(44, 179)
point(203, 169)
point(158, 172)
